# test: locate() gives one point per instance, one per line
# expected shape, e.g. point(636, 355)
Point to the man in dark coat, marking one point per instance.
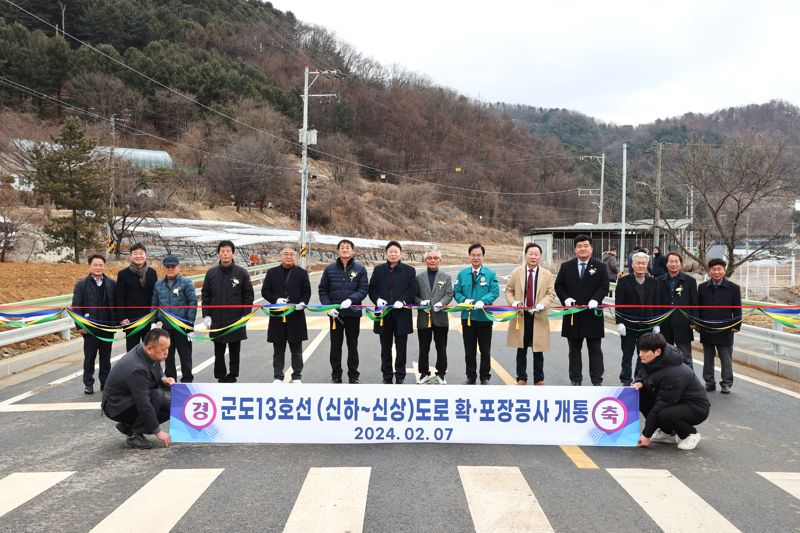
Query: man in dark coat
point(636, 289)
point(226, 284)
point(344, 282)
point(393, 283)
point(718, 325)
point(678, 288)
point(135, 397)
point(134, 292)
point(93, 298)
point(287, 284)
point(583, 281)
point(658, 266)
point(671, 397)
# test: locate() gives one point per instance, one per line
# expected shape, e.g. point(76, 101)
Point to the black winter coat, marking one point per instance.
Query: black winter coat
point(87, 301)
point(403, 289)
point(671, 382)
point(593, 286)
point(627, 294)
point(227, 286)
point(135, 381)
point(295, 287)
point(130, 292)
point(676, 327)
point(728, 293)
point(339, 284)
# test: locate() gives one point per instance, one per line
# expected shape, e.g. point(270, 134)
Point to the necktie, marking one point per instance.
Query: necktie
point(529, 290)
point(583, 269)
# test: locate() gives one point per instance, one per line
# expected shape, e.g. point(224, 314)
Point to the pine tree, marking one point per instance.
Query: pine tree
point(74, 179)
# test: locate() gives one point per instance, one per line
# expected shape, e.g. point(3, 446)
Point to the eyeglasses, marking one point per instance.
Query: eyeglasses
point(288, 253)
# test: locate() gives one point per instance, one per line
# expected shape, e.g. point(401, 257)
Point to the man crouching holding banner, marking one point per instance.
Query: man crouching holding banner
point(134, 395)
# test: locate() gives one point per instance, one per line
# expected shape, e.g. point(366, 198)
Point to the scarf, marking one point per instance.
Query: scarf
point(141, 272)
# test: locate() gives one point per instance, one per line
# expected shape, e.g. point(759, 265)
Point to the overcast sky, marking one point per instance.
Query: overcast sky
point(626, 62)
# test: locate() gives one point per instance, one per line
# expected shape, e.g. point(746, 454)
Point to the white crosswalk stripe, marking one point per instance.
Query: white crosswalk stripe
point(149, 509)
point(332, 499)
point(788, 481)
point(500, 499)
point(671, 504)
point(19, 487)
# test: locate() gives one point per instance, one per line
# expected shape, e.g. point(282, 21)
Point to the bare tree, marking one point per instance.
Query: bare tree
point(337, 149)
point(729, 183)
point(250, 171)
point(13, 220)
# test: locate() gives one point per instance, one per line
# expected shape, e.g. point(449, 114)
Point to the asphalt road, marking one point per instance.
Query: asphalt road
point(397, 487)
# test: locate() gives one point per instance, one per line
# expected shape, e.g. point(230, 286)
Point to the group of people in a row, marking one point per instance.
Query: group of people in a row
point(643, 305)
point(228, 296)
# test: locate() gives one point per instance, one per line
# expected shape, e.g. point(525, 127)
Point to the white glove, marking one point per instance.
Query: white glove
point(540, 307)
point(333, 313)
point(438, 306)
point(207, 322)
point(281, 301)
point(592, 304)
point(381, 302)
point(398, 304)
point(516, 303)
point(469, 301)
point(569, 302)
point(425, 302)
point(479, 304)
point(621, 330)
point(346, 304)
point(656, 329)
point(300, 306)
point(190, 336)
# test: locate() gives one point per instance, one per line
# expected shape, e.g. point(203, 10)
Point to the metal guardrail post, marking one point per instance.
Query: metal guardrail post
point(777, 348)
point(67, 333)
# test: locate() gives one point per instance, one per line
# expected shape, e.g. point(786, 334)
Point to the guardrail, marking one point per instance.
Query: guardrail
point(64, 325)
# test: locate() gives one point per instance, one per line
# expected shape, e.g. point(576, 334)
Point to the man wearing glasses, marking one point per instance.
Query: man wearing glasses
point(176, 295)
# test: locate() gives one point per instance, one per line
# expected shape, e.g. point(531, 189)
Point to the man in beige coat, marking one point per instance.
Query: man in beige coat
point(533, 288)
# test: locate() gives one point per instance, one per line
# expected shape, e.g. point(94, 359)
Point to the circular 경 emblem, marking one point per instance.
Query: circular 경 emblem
point(609, 415)
point(199, 411)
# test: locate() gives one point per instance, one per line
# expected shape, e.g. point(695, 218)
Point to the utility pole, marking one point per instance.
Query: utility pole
point(111, 184)
point(622, 255)
point(657, 216)
point(307, 137)
point(602, 178)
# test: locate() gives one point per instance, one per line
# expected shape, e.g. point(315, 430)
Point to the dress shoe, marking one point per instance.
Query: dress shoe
point(521, 382)
point(485, 381)
point(336, 380)
point(222, 380)
point(230, 379)
point(598, 384)
point(539, 382)
point(139, 442)
point(387, 381)
point(576, 383)
point(625, 383)
point(353, 381)
point(710, 387)
point(88, 389)
point(469, 381)
point(399, 381)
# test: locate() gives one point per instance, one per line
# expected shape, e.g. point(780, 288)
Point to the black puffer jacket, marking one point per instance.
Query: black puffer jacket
point(339, 284)
point(671, 382)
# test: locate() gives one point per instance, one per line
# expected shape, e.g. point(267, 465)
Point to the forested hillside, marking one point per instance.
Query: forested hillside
point(217, 83)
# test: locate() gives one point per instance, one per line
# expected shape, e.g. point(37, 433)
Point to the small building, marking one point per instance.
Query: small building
point(14, 159)
point(557, 241)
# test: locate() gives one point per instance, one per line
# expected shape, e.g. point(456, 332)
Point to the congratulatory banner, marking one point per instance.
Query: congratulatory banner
point(328, 413)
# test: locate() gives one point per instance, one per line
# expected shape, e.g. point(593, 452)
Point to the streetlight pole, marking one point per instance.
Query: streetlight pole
point(307, 137)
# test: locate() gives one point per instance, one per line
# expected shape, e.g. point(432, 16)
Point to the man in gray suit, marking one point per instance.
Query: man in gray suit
point(435, 288)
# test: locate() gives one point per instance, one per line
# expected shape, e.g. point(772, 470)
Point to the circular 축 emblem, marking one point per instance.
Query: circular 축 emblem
point(609, 414)
point(199, 411)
